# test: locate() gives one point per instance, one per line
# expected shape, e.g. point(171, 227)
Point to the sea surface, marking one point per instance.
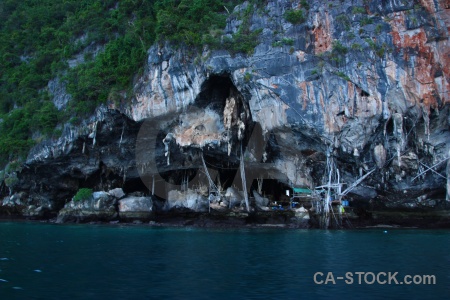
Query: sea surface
point(48, 261)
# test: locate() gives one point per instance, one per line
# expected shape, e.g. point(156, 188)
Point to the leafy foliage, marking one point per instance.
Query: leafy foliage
point(241, 42)
point(295, 16)
point(344, 20)
point(188, 21)
point(358, 10)
point(284, 41)
point(304, 4)
point(244, 40)
point(82, 194)
point(96, 47)
point(38, 38)
point(366, 21)
point(339, 48)
point(343, 76)
point(356, 47)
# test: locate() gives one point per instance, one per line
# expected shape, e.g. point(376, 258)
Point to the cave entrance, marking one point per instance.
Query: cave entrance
point(215, 91)
point(134, 185)
point(214, 128)
point(274, 190)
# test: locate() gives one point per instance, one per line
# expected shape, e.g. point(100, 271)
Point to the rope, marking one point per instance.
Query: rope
point(212, 186)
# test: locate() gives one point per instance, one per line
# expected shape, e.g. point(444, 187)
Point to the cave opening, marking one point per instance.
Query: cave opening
point(274, 190)
point(134, 185)
point(364, 93)
point(214, 92)
point(225, 125)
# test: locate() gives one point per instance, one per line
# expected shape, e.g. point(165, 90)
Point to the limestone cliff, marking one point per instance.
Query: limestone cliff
point(366, 82)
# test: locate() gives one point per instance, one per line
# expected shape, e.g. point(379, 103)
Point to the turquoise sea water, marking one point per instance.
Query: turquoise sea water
point(45, 261)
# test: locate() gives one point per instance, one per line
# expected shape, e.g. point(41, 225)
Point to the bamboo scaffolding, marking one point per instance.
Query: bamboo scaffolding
point(212, 186)
point(430, 168)
point(354, 184)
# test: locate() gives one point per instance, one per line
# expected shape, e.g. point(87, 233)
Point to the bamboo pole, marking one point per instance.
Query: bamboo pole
point(354, 184)
point(153, 185)
point(244, 182)
point(430, 168)
point(448, 181)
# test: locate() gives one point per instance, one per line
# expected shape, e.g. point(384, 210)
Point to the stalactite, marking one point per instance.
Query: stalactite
point(379, 153)
point(426, 122)
point(260, 184)
point(166, 142)
point(94, 134)
point(230, 118)
point(399, 135)
point(241, 130)
point(121, 136)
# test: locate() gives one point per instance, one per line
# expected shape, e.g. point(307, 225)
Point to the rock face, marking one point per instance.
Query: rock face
point(135, 208)
point(233, 197)
point(100, 206)
point(186, 200)
point(260, 200)
point(365, 82)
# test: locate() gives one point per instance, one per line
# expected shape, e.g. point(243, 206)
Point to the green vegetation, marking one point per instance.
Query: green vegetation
point(339, 48)
point(338, 52)
point(380, 50)
point(378, 29)
point(358, 10)
point(356, 47)
point(247, 77)
point(109, 38)
point(371, 43)
point(344, 20)
point(38, 38)
point(189, 22)
point(283, 42)
point(244, 40)
point(82, 194)
point(295, 16)
point(320, 65)
point(11, 181)
point(366, 21)
point(343, 76)
point(304, 4)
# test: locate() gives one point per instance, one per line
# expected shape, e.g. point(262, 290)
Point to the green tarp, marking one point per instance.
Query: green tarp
point(302, 191)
